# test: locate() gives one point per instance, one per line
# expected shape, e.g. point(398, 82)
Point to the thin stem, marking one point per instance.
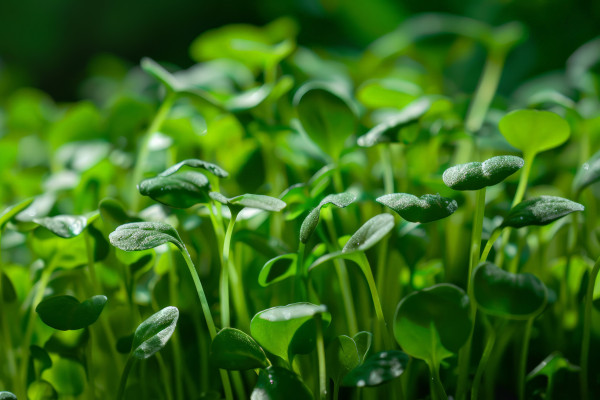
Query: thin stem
point(523, 361)
point(388, 170)
point(490, 243)
point(224, 289)
point(300, 288)
point(487, 351)
point(124, 375)
point(587, 325)
point(164, 375)
point(321, 357)
point(435, 383)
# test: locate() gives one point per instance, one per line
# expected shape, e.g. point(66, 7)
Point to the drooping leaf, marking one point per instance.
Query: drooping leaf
point(65, 226)
point(534, 131)
point(551, 365)
point(138, 236)
point(183, 190)
point(378, 369)
point(276, 383)
point(12, 211)
point(258, 201)
point(311, 221)
point(67, 313)
point(235, 350)
point(433, 323)
point(288, 330)
point(195, 163)
point(540, 211)
point(278, 269)
point(326, 118)
point(476, 175)
point(369, 233)
point(588, 174)
point(40, 390)
point(426, 208)
point(508, 295)
point(342, 357)
point(154, 333)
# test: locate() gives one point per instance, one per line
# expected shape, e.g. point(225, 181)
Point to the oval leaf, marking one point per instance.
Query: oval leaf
point(12, 212)
point(534, 131)
point(340, 200)
point(476, 175)
point(433, 323)
point(7, 396)
point(426, 208)
point(278, 269)
point(154, 333)
point(508, 295)
point(138, 236)
point(378, 369)
point(258, 201)
point(183, 190)
point(66, 313)
point(275, 383)
point(195, 163)
point(64, 226)
point(540, 211)
point(588, 174)
point(370, 233)
point(342, 357)
point(233, 349)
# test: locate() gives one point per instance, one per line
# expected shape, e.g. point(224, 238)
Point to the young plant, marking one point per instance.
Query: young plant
point(549, 367)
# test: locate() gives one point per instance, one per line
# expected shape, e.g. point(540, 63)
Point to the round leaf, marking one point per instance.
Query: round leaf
point(588, 174)
point(378, 369)
point(258, 201)
point(138, 236)
point(426, 208)
point(278, 269)
point(508, 295)
point(66, 313)
point(534, 131)
point(154, 333)
point(540, 211)
point(275, 383)
point(233, 349)
point(476, 175)
point(183, 190)
point(311, 221)
point(433, 323)
point(370, 233)
point(65, 226)
point(342, 356)
point(195, 163)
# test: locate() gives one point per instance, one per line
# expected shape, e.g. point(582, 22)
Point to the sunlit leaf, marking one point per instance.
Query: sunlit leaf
point(65, 226)
point(195, 163)
point(154, 333)
point(540, 211)
point(476, 175)
point(426, 208)
point(183, 190)
point(138, 236)
point(340, 200)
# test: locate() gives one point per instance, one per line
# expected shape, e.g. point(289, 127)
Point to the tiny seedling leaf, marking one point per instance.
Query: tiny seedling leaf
point(233, 349)
point(551, 365)
point(588, 174)
point(540, 211)
point(277, 269)
point(378, 369)
point(476, 175)
point(154, 333)
point(276, 383)
point(12, 212)
point(138, 236)
point(370, 233)
point(426, 208)
point(195, 163)
point(508, 295)
point(258, 201)
point(364, 341)
point(66, 313)
point(64, 226)
point(311, 221)
point(183, 190)
point(342, 357)
point(7, 396)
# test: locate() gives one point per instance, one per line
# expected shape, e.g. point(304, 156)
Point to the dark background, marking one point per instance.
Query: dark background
point(48, 44)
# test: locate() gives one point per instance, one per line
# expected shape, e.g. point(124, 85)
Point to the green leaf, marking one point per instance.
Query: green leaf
point(476, 175)
point(235, 350)
point(258, 201)
point(378, 369)
point(369, 234)
point(183, 190)
point(534, 131)
point(340, 200)
point(588, 174)
point(508, 295)
point(138, 236)
point(385, 131)
point(12, 212)
point(426, 208)
point(540, 211)
point(277, 269)
point(387, 93)
point(154, 333)
point(195, 163)
point(41, 359)
point(7, 396)
point(161, 74)
point(342, 357)
point(433, 323)
point(66, 313)
point(551, 365)
point(39, 390)
point(275, 383)
point(67, 376)
point(364, 341)
point(288, 330)
point(65, 226)
point(248, 99)
point(326, 118)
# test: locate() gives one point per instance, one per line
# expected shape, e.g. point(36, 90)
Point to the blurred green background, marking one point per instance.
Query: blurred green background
point(49, 44)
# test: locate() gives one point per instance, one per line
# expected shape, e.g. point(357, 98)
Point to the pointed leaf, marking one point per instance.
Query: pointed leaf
point(476, 175)
point(235, 350)
point(540, 211)
point(65, 226)
point(426, 208)
point(508, 295)
point(154, 333)
point(378, 369)
point(258, 201)
point(551, 365)
point(370, 233)
point(340, 200)
point(342, 357)
point(12, 212)
point(276, 383)
point(277, 269)
point(66, 313)
point(138, 236)
point(195, 163)
point(364, 341)
point(588, 174)
point(183, 190)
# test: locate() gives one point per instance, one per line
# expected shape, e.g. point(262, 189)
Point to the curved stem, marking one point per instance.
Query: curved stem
point(124, 375)
point(363, 262)
point(388, 170)
point(490, 243)
point(523, 360)
point(224, 288)
point(587, 325)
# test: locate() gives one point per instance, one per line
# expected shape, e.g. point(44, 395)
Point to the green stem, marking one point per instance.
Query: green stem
point(587, 326)
point(164, 375)
point(224, 289)
point(487, 351)
point(549, 387)
point(300, 288)
point(388, 170)
point(435, 383)
point(490, 243)
point(523, 360)
point(321, 357)
point(124, 375)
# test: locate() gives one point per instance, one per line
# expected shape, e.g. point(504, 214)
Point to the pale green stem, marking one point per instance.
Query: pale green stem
point(435, 383)
point(388, 170)
point(173, 291)
point(321, 357)
point(523, 360)
point(490, 243)
point(225, 317)
point(587, 326)
point(300, 288)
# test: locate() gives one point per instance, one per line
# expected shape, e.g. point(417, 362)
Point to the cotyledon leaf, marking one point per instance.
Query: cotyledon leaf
point(476, 175)
point(66, 313)
point(378, 369)
point(369, 233)
point(12, 211)
point(4, 395)
point(342, 356)
point(154, 333)
point(426, 208)
point(311, 221)
point(540, 211)
point(183, 190)
point(258, 201)
point(278, 269)
point(233, 349)
point(588, 174)
point(195, 163)
point(138, 236)
point(551, 365)
point(65, 226)
point(276, 383)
